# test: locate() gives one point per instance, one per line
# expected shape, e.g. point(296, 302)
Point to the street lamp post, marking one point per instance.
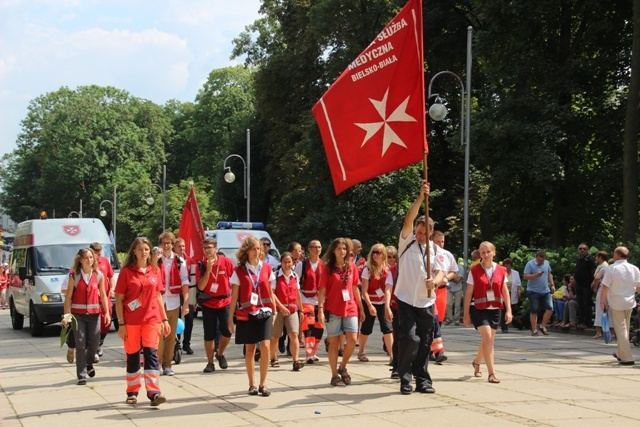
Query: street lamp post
point(229, 176)
point(438, 112)
point(103, 213)
point(150, 200)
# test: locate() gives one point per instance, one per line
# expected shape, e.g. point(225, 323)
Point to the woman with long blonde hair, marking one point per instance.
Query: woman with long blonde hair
point(377, 281)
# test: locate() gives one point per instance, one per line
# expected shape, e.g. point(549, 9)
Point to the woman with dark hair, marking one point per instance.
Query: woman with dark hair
point(85, 295)
point(252, 303)
point(484, 299)
point(339, 303)
point(141, 318)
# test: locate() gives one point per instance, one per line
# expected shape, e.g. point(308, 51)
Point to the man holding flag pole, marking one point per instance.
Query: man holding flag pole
point(372, 121)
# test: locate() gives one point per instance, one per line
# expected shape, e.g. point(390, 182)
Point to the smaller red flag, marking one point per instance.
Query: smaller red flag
point(191, 229)
point(372, 119)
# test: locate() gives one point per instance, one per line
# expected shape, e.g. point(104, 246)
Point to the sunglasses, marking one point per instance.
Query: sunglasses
point(376, 252)
point(266, 244)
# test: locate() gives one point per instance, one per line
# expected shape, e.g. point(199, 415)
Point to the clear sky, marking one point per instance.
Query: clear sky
point(154, 49)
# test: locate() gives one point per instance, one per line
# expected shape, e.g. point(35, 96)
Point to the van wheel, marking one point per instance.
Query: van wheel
point(17, 319)
point(35, 326)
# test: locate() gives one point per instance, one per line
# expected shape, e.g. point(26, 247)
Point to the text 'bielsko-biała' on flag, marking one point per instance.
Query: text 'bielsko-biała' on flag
point(372, 119)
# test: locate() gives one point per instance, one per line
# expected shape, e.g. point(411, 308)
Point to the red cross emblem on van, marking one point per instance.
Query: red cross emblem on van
point(71, 230)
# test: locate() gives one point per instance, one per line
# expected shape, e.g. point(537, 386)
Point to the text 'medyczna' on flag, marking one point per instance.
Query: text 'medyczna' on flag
point(372, 119)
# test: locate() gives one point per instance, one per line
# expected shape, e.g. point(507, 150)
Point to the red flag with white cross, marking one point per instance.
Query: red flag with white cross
point(372, 119)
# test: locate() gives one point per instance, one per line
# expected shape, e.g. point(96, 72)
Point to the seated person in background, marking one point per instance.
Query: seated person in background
point(571, 306)
point(559, 302)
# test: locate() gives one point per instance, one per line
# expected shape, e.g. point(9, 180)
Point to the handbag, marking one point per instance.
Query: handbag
point(606, 332)
point(202, 297)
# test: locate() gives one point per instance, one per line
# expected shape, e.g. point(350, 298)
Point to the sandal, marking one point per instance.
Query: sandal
point(493, 379)
point(275, 363)
point(131, 400)
point(476, 369)
point(253, 391)
point(264, 391)
point(297, 365)
point(158, 399)
point(363, 357)
point(346, 378)
point(337, 381)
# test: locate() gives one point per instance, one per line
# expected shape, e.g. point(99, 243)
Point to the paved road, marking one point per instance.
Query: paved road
point(558, 380)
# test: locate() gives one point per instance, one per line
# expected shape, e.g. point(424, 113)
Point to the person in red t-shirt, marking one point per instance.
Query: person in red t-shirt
point(142, 318)
point(339, 303)
point(216, 270)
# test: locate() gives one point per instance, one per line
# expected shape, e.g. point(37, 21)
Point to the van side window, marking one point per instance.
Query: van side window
point(30, 262)
point(17, 259)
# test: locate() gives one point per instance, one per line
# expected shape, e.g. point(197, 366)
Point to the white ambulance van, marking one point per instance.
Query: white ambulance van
point(43, 253)
point(230, 235)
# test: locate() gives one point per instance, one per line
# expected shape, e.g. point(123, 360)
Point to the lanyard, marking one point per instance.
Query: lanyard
point(255, 282)
point(424, 261)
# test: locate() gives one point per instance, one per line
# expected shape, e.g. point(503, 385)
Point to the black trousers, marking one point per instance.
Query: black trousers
point(585, 303)
point(415, 335)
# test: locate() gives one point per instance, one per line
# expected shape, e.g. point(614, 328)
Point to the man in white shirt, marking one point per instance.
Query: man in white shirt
point(176, 281)
point(416, 297)
point(620, 283)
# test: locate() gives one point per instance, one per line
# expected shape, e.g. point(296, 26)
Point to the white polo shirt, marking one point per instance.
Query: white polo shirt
point(410, 287)
point(621, 278)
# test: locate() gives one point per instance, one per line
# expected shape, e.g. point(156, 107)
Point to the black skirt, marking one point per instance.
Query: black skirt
point(485, 317)
point(254, 330)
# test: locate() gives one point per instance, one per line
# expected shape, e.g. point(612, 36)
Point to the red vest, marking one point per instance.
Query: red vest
point(86, 296)
point(481, 285)
point(175, 283)
point(374, 284)
point(287, 292)
point(246, 288)
point(311, 280)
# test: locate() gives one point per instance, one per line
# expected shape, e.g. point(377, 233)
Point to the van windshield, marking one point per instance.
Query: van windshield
point(59, 258)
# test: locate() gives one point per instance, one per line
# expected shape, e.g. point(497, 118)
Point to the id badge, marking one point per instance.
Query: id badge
point(379, 292)
point(214, 287)
point(254, 298)
point(345, 295)
point(134, 305)
point(490, 296)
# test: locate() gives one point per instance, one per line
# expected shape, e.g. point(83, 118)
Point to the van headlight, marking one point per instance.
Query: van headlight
point(51, 297)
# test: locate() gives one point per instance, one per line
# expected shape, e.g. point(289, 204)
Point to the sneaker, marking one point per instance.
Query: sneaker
point(310, 361)
point(456, 323)
point(90, 371)
point(440, 358)
point(534, 333)
point(447, 322)
point(168, 371)
point(158, 399)
point(426, 389)
point(222, 361)
point(70, 355)
point(100, 352)
point(209, 368)
point(543, 330)
point(394, 375)
point(96, 359)
point(187, 349)
point(316, 359)
point(82, 381)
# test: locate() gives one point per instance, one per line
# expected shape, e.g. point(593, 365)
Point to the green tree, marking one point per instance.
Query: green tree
point(77, 145)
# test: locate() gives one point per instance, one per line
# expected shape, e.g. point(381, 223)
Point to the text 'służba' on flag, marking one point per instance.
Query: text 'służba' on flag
point(372, 119)
point(191, 229)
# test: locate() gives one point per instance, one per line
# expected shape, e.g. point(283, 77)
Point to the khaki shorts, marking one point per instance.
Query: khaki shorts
point(292, 322)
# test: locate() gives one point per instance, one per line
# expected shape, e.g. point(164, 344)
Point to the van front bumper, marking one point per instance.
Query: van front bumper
point(49, 312)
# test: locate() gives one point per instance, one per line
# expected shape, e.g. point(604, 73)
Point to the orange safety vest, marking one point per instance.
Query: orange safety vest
point(481, 285)
point(86, 296)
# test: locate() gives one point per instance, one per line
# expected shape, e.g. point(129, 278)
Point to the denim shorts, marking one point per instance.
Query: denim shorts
point(335, 325)
point(539, 301)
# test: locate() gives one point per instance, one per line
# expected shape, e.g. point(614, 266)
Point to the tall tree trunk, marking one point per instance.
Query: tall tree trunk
point(631, 136)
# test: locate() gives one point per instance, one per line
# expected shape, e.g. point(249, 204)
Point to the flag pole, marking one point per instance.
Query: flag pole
point(426, 219)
